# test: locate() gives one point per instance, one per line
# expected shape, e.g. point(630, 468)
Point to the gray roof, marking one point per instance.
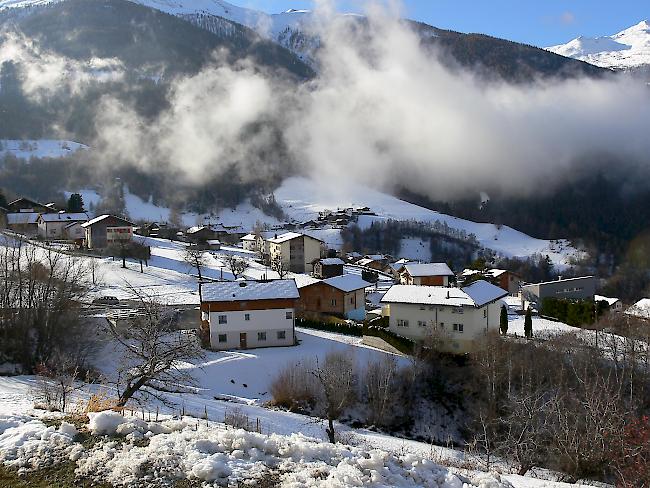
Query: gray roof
point(347, 282)
point(477, 294)
point(331, 261)
point(428, 269)
point(64, 217)
point(17, 218)
point(231, 291)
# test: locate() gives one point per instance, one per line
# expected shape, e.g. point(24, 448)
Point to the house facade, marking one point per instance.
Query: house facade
point(456, 320)
point(582, 288)
point(426, 274)
point(105, 230)
point(249, 242)
point(342, 296)
point(53, 225)
point(328, 268)
point(249, 314)
point(28, 206)
point(296, 251)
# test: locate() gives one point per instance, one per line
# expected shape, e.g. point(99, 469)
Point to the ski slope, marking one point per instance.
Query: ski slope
point(39, 148)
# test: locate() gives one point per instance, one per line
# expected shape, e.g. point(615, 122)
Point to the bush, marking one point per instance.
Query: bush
point(294, 388)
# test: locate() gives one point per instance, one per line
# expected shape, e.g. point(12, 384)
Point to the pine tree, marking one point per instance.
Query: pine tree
point(75, 203)
point(503, 320)
point(528, 324)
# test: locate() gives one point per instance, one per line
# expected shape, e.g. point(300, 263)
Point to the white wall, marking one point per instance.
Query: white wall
point(269, 321)
point(312, 252)
point(441, 319)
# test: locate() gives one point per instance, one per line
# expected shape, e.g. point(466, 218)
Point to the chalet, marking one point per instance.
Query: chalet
point(506, 280)
point(395, 268)
point(328, 267)
point(425, 274)
point(55, 225)
point(105, 230)
point(25, 223)
point(200, 234)
point(249, 242)
point(459, 318)
point(296, 251)
point(249, 314)
point(378, 262)
point(613, 304)
point(343, 296)
point(582, 288)
point(25, 205)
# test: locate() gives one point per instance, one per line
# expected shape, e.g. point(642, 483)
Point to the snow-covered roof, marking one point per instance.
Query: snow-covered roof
point(287, 236)
point(495, 273)
point(365, 261)
point(347, 282)
point(640, 309)
point(482, 292)
point(332, 261)
point(249, 237)
point(102, 217)
point(469, 272)
point(610, 301)
point(64, 217)
point(18, 218)
point(427, 295)
point(477, 294)
point(231, 291)
point(376, 257)
point(397, 265)
point(303, 280)
point(563, 280)
point(428, 269)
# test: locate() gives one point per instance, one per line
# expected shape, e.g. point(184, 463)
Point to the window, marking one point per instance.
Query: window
point(455, 327)
point(422, 323)
point(485, 313)
point(282, 334)
point(402, 323)
point(458, 327)
point(223, 338)
point(289, 315)
point(247, 316)
point(223, 319)
point(333, 302)
point(442, 325)
point(261, 336)
point(422, 307)
point(457, 310)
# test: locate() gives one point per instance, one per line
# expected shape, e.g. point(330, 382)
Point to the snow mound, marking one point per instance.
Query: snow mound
point(213, 453)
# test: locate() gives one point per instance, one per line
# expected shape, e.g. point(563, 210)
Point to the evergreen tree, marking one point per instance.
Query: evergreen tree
point(75, 203)
point(528, 324)
point(503, 320)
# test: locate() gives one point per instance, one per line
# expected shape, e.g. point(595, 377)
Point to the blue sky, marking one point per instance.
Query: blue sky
point(537, 22)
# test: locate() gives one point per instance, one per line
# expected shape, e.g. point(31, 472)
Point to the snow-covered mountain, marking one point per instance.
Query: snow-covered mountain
point(629, 49)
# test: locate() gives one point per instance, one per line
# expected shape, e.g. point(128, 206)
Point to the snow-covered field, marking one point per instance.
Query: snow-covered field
point(41, 148)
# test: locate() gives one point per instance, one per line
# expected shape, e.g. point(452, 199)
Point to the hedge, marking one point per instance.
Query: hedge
point(336, 327)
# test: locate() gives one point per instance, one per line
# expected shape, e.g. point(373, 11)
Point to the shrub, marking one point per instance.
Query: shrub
point(294, 388)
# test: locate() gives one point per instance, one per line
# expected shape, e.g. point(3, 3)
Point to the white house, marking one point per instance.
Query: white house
point(249, 314)
point(430, 274)
point(53, 225)
point(296, 251)
point(249, 242)
point(458, 318)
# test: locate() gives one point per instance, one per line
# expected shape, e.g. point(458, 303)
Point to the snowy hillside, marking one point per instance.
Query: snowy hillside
point(286, 28)
point(41, 148)
point(629, 48)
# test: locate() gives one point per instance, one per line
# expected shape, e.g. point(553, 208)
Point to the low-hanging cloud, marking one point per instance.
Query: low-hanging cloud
point(383, 110)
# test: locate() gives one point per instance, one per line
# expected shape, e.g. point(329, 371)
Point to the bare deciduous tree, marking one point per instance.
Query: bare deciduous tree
point(236, 264)
point(337, 381)
point(154, 352)
point(195, 258)
point(279, 267)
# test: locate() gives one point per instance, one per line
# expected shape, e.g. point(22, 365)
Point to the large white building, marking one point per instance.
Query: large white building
point(249, 314)
point(296, 251)
point(456, 318)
